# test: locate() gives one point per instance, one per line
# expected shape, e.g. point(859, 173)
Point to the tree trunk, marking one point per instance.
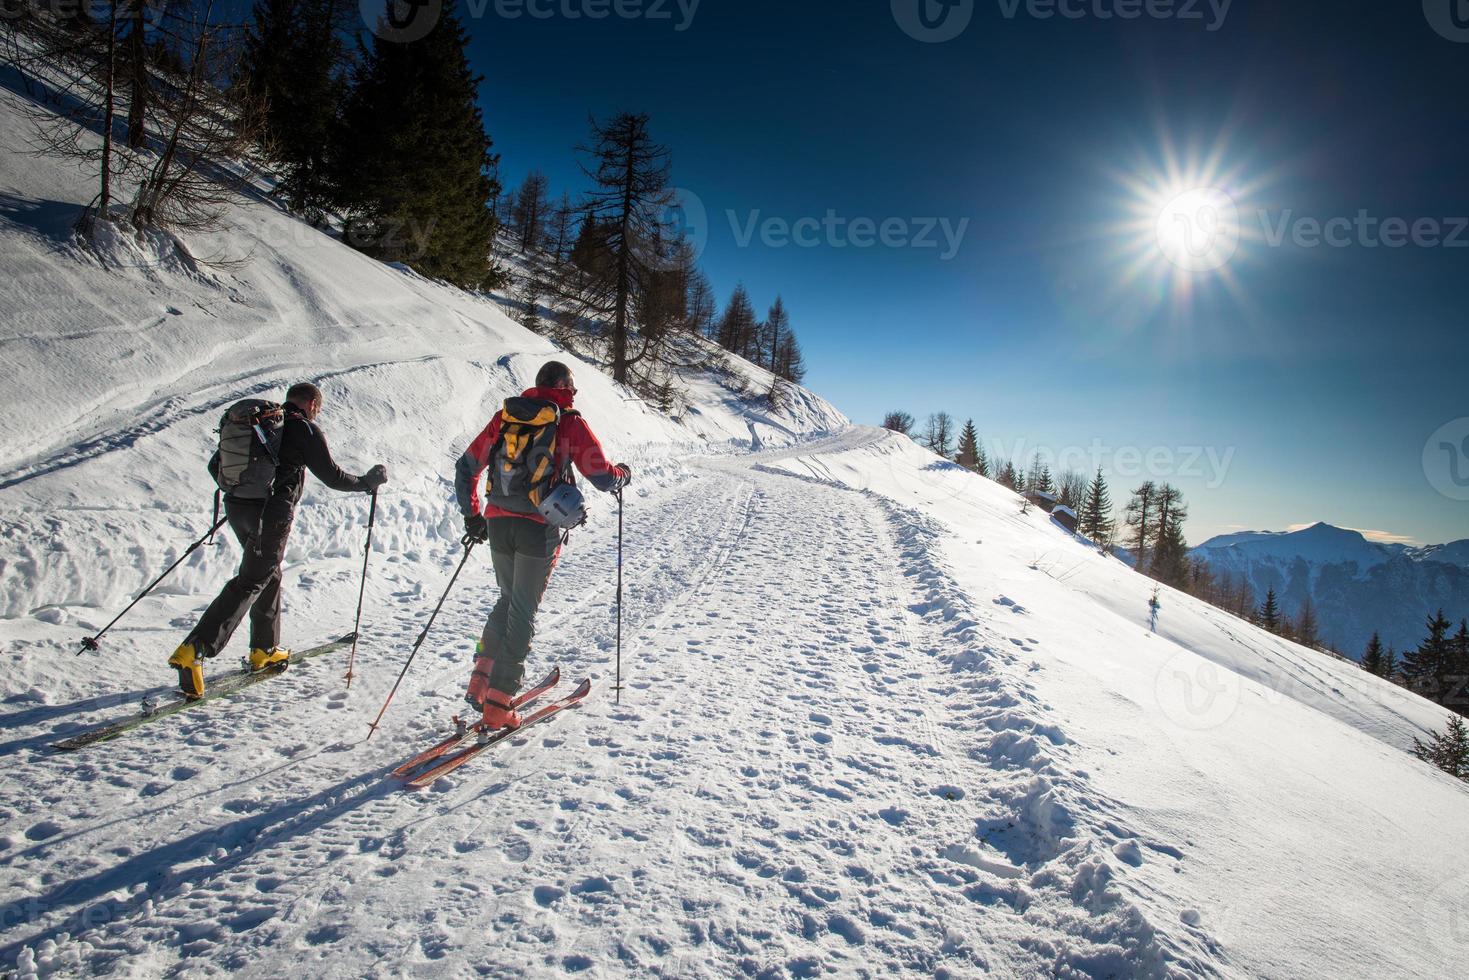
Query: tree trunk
point(137, 66)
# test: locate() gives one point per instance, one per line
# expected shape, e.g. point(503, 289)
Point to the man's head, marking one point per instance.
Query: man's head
point(554, 374)
point(307, 397)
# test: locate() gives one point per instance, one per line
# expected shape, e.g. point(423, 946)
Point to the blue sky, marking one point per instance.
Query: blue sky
point(1291, 384)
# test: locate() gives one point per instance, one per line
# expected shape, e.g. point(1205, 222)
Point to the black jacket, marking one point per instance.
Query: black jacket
point(303, 447)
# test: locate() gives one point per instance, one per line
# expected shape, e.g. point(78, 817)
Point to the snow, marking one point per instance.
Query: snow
point(879, 719)
point(1320, 543)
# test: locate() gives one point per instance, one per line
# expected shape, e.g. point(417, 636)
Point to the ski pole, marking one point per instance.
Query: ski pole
point(357, 624)
point(618, 687)
point(469, 544)
point(90, 643)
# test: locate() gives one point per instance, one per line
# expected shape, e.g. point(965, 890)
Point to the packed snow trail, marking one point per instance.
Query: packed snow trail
point(794, 782)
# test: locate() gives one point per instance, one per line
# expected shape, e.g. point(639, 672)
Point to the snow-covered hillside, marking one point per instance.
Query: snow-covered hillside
point(878, 719)
point(1358, 587)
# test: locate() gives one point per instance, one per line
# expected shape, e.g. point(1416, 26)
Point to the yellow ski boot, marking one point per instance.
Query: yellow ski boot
point(188, 663)
point(265, 659)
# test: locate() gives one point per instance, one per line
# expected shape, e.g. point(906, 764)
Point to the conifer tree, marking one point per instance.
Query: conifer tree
point(1372, 659)
point(630, 173)
point(1390, 667)
point(968, 455)
point(531, 212)
point(1307, 627)
point(1449, 749)
point(777, 328)
point(1140, 517)
point(736, 328)
point(1096, 512)
point(1269, 615)
point(1426, 668)
point(414, 168)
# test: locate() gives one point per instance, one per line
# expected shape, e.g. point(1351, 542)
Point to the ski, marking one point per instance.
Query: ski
point(491, 738)
point(226, 686)
point(463, 732)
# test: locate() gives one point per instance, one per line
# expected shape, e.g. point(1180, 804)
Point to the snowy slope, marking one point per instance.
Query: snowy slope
point(877, 719)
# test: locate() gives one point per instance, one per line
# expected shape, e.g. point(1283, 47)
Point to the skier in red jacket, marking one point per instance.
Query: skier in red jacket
point(523, 547)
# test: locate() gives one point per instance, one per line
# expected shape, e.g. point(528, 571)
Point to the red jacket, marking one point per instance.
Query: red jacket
point(575, 443)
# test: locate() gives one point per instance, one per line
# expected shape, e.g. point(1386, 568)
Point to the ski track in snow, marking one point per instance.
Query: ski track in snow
point(822, 760)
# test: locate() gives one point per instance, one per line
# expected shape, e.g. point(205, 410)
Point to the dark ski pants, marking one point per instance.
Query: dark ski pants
point(523, 553)
point(256, 588)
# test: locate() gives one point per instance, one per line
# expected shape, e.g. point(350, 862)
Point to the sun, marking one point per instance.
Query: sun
point(1182, 223)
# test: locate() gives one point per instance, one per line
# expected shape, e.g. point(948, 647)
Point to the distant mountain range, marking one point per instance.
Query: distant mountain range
point(1358, 586)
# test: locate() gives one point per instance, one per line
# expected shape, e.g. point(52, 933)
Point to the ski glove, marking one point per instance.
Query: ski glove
point(476, 528)
point(375, 478)
point(624, 476)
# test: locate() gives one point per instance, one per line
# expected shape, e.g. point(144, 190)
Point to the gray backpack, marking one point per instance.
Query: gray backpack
point(249, 448)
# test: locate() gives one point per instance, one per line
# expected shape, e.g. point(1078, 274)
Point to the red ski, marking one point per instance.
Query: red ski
point(487, 739)
point(465, 732)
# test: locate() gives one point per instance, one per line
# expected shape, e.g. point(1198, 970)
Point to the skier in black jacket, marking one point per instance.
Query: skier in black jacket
point(262, 527)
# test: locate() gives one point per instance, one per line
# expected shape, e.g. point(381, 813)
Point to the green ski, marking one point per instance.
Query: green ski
point(224, 687)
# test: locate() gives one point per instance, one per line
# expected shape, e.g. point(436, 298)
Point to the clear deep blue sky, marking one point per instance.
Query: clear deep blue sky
point(1319, 373)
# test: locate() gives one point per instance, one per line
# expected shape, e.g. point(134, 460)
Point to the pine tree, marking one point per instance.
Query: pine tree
point(1390, 667)
point(1008, 477)
point(1269, 615)
point(1426, 668)
point(630, 175)
point(1449, 749)
point(415, 162)
point(1169, 561)
point(736, 327)
point(559, 234)
point(968, 455)
point(530, 304)
point(777, 328)
point(1307, 627)
point(297, 66)
point(1456, 674)
point(1372, 659)
point(1096, 512)
point(1140, 517)
point(1039, 477)
point(531, 211)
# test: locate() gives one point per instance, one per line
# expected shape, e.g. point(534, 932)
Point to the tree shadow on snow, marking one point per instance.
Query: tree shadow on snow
point(168, 868)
